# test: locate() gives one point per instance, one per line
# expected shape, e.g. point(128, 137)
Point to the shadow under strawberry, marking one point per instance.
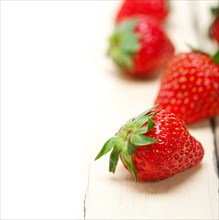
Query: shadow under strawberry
point(163, 186)
point(153, 146)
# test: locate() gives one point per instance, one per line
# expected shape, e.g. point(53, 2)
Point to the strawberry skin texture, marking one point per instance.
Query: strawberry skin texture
point(153, 50)
point(158, 10)
point(175, 151)
point(156, 48)
point(190, 87)
point(153, 146)
point(215, 30)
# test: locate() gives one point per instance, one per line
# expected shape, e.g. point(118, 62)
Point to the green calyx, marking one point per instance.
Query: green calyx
point(197, 50)
point(215, 11)
point(215, 57)
point(124, 43)
point(125, 142)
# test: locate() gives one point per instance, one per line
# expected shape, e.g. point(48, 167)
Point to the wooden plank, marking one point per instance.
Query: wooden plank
point(192, 194)
point(201, 11)
point(57, 147)
point(217, 142)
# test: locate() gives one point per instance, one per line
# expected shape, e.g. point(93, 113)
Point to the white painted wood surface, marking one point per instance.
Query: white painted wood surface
point(189, 195)
point(201, 13)
point(55, 69)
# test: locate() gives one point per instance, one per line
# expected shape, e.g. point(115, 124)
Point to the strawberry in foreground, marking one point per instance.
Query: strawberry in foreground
point(190, 86)
point(153, 146)
point(214, 29)
point(158, 10)
point(139, 46)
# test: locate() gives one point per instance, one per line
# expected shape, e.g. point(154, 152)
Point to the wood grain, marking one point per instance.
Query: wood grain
point(201, 12)
point(192, 194)
point(62, 98)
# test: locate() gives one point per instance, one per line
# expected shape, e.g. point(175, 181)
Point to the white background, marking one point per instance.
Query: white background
point(53, 56)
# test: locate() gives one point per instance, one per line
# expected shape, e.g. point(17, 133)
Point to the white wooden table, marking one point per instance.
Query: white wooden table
point(61, 99)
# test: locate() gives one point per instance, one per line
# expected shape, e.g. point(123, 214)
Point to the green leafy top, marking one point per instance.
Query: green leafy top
point(197, 50)
point(128, 139)
point(215, 57)
point(124, 43)
point(215, 11)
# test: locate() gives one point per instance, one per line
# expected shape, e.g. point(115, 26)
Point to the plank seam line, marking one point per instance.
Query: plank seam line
point(86, 192)
point(201, 41)
point(213, 127)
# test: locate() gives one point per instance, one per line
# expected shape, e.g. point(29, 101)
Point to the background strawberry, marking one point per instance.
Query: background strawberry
point(190, 86)
point(139, 46)
point(153, 146)
point(157, 10)
point(214, 29)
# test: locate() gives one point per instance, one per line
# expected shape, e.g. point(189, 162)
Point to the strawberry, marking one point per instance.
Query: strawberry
point(153, 146)
point(214, 29)
point(139, 46)
point(157, 10)
point(190, 86)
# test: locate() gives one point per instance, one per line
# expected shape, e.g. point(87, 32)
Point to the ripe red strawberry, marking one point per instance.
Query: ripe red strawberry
point(153, 146)
point(157, 10)
point(214, 29)
point(190, 86)
point(139, 46)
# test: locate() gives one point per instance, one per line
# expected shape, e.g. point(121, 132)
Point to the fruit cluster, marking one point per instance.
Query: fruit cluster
point(156, 144)
point(139, 45)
